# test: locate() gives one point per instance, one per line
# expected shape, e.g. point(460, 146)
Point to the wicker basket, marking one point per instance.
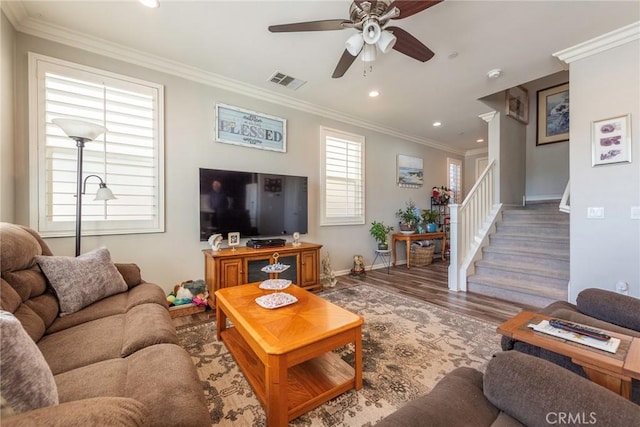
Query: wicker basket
point(422, 255)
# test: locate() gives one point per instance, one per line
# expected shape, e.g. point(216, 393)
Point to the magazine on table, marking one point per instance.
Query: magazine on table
point(611, 345)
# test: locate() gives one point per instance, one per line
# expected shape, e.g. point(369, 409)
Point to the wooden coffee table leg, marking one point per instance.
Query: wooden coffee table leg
point(358, 358)
point(221, 321)
point(276, 393)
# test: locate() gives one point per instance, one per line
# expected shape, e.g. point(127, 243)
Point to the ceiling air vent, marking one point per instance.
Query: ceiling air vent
point(286, 81)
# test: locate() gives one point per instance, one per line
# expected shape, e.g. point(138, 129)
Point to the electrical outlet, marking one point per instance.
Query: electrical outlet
point(595, 212)
point(635, 212)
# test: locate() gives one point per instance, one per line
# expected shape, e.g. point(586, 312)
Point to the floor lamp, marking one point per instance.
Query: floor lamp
point(82, 132)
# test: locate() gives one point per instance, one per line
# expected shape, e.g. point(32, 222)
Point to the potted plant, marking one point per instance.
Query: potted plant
point(380, 232)
point(409, 217)
point(430, 217)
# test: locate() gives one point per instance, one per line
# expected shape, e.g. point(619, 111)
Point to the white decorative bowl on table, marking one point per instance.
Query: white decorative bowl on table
point(275, 284)
point(275, 268)
point(276, 300)
point(407, 232)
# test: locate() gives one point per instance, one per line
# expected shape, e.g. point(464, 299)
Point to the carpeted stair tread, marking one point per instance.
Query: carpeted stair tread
point(521, 236)
point(526, 269)
point(552, 253)
point(525, 287)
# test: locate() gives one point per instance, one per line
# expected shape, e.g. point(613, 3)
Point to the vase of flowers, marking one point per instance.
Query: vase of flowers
point(441, 195)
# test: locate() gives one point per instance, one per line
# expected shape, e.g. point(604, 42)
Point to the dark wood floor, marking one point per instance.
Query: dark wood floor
point(424, 283)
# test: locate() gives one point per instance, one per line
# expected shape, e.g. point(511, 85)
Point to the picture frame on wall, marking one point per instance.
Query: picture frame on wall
point(410, 172)
point(248, 128)
point(611, 140)
point(517, 104)
point(553, 115)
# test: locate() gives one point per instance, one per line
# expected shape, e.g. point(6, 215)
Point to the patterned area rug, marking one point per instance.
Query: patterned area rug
point(408, 346)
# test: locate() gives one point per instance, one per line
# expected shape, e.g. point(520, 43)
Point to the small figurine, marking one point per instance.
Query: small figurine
point(358, 266)
point(214, 241)
point(328, 278)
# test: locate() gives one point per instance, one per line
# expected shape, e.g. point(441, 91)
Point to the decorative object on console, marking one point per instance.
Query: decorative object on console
point(380, 232)
point(82, 132)
point(250, 129)
point(441, 195)
point(233, 240)
point(410, 172)
point(611, 140)
point(430, 217)
point(296, 239)
point(409, 217)
point(553, 115)
point(214, 241)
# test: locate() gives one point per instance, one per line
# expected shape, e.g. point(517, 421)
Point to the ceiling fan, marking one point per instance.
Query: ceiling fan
point(370, 17)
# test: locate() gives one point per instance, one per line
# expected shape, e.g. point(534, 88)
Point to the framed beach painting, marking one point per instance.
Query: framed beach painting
point(553, 115)
point(410, 171)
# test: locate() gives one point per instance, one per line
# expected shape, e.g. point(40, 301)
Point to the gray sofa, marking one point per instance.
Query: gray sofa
point(114, 362)
point(598, 308)
point(516, 390)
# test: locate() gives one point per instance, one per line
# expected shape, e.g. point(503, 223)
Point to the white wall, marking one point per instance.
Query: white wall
point(547, 166)
point(7, 42)
point(171, 257)
point(604, 251)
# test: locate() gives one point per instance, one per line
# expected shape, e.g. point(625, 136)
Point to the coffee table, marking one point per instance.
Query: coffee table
point(613, 371)
point(286, 353)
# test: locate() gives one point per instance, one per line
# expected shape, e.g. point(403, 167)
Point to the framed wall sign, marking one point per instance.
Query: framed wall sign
point(410, 171)
point(249, 128)
point(553, 115)
point(611, 140)
point(518, 104)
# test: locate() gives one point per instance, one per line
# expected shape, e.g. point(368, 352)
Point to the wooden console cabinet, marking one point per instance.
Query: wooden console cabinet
point(243, 265)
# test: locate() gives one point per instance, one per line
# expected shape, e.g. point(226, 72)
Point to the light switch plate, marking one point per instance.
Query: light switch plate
point(635, 212)
point(595, 212)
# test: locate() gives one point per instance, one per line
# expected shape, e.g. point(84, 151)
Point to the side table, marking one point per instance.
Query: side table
point(385, 257)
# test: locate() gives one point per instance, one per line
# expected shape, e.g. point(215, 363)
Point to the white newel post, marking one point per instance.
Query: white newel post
point(454, 246)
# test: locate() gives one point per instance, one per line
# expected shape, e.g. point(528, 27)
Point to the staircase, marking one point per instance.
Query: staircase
point(527, 259)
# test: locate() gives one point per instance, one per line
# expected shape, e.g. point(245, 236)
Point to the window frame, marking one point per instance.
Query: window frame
point(38, 66)
point(356, 219)
point(456, 191)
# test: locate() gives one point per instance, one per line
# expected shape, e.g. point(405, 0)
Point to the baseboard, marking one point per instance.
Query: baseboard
point(544, 198)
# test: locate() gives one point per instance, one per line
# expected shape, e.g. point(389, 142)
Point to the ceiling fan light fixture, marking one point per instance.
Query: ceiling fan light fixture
point(368, 53)
point(386, 42)
point(354, 44)
point(371, 31)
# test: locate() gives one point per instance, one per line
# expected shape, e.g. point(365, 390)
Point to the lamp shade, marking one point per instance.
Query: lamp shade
point(371, 31)
point(104, 193)
point(368, 53)
point(386, 42)
point(80, 129)
point(354, 44)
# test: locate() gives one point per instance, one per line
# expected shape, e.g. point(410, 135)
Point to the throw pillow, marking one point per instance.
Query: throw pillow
point(82, 280)
point(27, 382)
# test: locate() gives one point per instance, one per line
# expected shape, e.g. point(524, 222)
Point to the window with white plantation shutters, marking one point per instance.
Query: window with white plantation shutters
point(343, 178)
point(128, 156)
point(454, 168)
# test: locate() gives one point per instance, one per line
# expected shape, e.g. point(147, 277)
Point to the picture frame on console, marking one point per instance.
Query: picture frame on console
point(233, 239)
point(553, 115)
point(611, 140)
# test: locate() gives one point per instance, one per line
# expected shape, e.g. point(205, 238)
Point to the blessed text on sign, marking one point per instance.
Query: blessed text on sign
point(249, 128)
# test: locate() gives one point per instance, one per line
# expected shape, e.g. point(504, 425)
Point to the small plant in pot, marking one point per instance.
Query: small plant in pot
point(380, 232)
point(430, 217)
point(409, 217)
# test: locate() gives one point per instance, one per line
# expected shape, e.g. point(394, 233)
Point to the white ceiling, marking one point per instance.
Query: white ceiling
point(230, 39)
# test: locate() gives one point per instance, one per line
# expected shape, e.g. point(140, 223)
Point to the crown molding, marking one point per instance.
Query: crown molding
point(599, 44)
point(477, 151)
point(14, 11)
point(487, 117)
point(59, 34)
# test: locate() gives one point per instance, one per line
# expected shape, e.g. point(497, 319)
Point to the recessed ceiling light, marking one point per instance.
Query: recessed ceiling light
point(374, 93)
point(150, 3)
point(480, 140)
point(437, 124)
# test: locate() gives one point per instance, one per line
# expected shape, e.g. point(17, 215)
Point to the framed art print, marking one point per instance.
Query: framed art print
point(611, 140)
point(518, 104)
point(410, 171)
point(248, 128)
point(553, 115)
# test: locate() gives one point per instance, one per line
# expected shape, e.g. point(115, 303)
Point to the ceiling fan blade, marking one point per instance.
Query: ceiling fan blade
point(410, 45)
point(343, 64)
point(408, 8)
point(326, 25)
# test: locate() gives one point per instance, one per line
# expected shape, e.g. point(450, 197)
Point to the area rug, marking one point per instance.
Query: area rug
point(408, 346)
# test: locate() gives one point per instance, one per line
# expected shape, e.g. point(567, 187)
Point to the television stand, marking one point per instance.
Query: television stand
point(243, 265)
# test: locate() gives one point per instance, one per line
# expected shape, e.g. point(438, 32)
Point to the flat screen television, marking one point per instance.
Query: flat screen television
point(255, 204)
